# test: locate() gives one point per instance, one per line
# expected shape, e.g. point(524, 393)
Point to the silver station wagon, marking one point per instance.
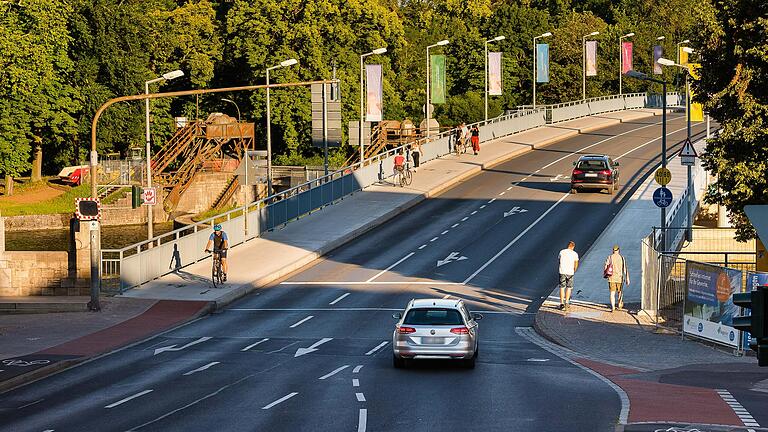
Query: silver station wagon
point(435, 329)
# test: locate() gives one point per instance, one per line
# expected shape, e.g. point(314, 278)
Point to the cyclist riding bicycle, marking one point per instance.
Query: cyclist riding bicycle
point(220, 246)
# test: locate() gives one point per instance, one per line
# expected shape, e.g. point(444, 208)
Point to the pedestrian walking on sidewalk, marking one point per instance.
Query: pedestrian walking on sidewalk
point(615, 270)
point(476, 139)
point(416, 155)
point(568, 263)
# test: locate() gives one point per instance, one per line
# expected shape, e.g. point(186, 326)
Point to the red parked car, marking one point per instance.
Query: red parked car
point(74, 175)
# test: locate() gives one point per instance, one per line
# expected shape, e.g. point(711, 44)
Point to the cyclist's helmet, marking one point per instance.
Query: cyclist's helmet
point(217, 227)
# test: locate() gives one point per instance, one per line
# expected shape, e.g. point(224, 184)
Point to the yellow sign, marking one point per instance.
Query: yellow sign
point(683, 57)
point(697, 110)
point(663, 176)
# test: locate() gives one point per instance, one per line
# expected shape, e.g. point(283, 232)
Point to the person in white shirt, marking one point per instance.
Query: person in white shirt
point(569, 262)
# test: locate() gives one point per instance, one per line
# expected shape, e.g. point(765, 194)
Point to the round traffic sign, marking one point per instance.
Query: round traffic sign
point(663, 176)
point(662, 197)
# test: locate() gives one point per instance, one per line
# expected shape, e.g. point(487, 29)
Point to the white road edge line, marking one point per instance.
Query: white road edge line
point(519, 236)
point(340, 298)
point(362, 419)
point(391, 267)
point(254, 344)
point(122, 401)
point(378, 347)
point(357, 369)
point(333, 372)
point(360, 397)
point(201, 368)
point(281, 400)
point(302, 321)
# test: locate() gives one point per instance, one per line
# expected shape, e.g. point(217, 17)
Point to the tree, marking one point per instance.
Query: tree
point(733, 43)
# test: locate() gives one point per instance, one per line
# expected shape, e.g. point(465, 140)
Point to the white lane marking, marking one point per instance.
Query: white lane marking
point(333, 372)
point(492, 200)
point(530, 334)
point(357, 369)
point(537, 171)
point(340, 298)
point(482, 206)
point(281, 400)
point(444, 232)
point(447, 296)
point(510, 188)
point(122, 401)
point(465, 219)
point(515, 210)
point(378, 347)
point(201, 368)
point(302, 321)
point(454, 225)
point(524, 179)
point(537, 360)
point(433, 239)
point(355, 382)
point(519, 236)
point(312, 348)
point(649, 142)
point(362, 420)
point(31, 403)
point(48, 430)
point(502, 193)
point(360, 397)
point(391, 267)
point(283, 348)
point(737, 408)
point(454, 256)
point(254, 344)
point(473, 213)
point(422, 246)
point(175, 348)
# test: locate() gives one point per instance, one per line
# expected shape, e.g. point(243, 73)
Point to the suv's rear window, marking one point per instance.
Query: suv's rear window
point(433, 316)
point(594, 164)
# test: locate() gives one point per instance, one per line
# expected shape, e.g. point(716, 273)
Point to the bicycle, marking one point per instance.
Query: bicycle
point(217, 273)
point(404, 176)
point(460, 147)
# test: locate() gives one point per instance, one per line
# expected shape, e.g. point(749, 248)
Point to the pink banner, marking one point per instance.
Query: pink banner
point(626, 57)
point(591, 51)
point(494, 74)
point(373, 91)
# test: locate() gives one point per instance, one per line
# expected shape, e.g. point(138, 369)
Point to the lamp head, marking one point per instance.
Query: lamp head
point(498, 38)
point(289, 62)
point(689, 50)
point(629, 34)
point(379, 51)
point(686, 41)
point(547, 34)
point(442, 42)
point(173, 74)
point(594, 33)
point(665, 62)
point(661, 38)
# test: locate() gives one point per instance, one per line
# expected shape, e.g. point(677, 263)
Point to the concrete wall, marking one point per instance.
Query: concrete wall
point(203, 191)
point(35, 273)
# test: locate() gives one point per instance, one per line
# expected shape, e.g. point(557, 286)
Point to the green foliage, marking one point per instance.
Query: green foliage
point(733, 43)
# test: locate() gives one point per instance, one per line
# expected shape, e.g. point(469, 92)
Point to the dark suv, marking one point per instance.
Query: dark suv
point(595, 172)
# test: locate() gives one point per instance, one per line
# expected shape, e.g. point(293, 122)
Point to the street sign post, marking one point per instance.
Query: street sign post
point(662, 197)
point(149, 196)
point(663, 176)
point(688, 154)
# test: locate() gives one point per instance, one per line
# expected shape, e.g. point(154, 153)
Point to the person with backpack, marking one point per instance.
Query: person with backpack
point(615, 270)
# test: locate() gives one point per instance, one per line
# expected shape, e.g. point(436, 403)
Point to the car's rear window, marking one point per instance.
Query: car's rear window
point(595, 164)
point(433, 316)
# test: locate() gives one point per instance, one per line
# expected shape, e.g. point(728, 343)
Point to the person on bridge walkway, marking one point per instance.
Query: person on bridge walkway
point(569, 262)
point(615, 270)
point(416, 155)
point(476, 139)
point(220, 244)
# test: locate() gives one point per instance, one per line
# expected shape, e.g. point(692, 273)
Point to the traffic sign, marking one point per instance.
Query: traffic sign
point(688, 154)
point(149, 196)
point(662, 197)
point(663, 176)
point(87, 209)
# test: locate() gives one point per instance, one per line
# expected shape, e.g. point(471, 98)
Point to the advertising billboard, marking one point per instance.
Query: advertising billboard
point(709, 308)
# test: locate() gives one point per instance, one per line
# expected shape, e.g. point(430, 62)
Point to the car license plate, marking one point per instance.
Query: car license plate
point(590, 175)
point(432, 340)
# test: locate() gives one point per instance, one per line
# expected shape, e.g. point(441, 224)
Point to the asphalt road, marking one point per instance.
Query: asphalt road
point(314, 354)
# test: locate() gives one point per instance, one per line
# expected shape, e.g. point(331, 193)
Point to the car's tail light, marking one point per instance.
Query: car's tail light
point(460, 330)
point(577, 172)
point(406, 330)
point(606, 172)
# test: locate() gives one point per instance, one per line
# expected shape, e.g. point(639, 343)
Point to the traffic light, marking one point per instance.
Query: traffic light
point(135, 196)
point(755, 323)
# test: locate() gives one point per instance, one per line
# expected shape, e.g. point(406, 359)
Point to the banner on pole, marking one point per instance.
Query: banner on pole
point(591, 58)
point(697, 110)
point(658, 52)
point(683, 57)
point(494, 74)
point(626, 57)
point(437, 94)
point(373, 91)
point(542, 63)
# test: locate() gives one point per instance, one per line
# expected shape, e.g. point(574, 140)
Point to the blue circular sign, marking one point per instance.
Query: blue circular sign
point(700, 327)
point(662, 197)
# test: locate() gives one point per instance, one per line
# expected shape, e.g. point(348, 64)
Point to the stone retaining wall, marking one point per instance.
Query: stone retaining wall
point(35, 273)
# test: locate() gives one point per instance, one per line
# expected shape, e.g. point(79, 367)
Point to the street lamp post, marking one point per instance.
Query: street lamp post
point(247, 160)
point(584, 63)
point(165, 77)
point(284, 63)
point(644, 77)
point(621, 59)
point(377, 51)
point(496, 39)
point(543, 35)
point(426, 107)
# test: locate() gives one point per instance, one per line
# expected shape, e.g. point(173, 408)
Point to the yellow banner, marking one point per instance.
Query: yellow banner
point(697, 110)
point(683, 57)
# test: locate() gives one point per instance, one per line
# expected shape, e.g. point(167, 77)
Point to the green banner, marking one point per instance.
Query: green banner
point(437, 94)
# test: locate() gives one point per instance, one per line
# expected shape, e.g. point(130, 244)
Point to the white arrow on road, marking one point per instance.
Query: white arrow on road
point(514, 211)
point(312, 348)
point(554, 179)
point(175, 348)
point(454, 256)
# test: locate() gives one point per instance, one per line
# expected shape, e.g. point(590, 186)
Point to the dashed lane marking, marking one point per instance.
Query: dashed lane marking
point(122, 401)
point(492, 200)
point(302, 321)
point(360, 397)
point(362, 420)
point(355, 382)
point(482, 206)
point(340, 298)
point(201, 368)
point(473, 213)
point(422, 246)
point(738, 409)
point(333, 372)
point(357, 369)
point(254, 344)
point(465, 219)
point(502, 193)
point(434, 239)
point(279, 401)
point(454, 225)
point(444, 232)
point(378, 347)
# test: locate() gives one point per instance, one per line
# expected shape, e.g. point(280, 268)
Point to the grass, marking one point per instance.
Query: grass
point(61, 204)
